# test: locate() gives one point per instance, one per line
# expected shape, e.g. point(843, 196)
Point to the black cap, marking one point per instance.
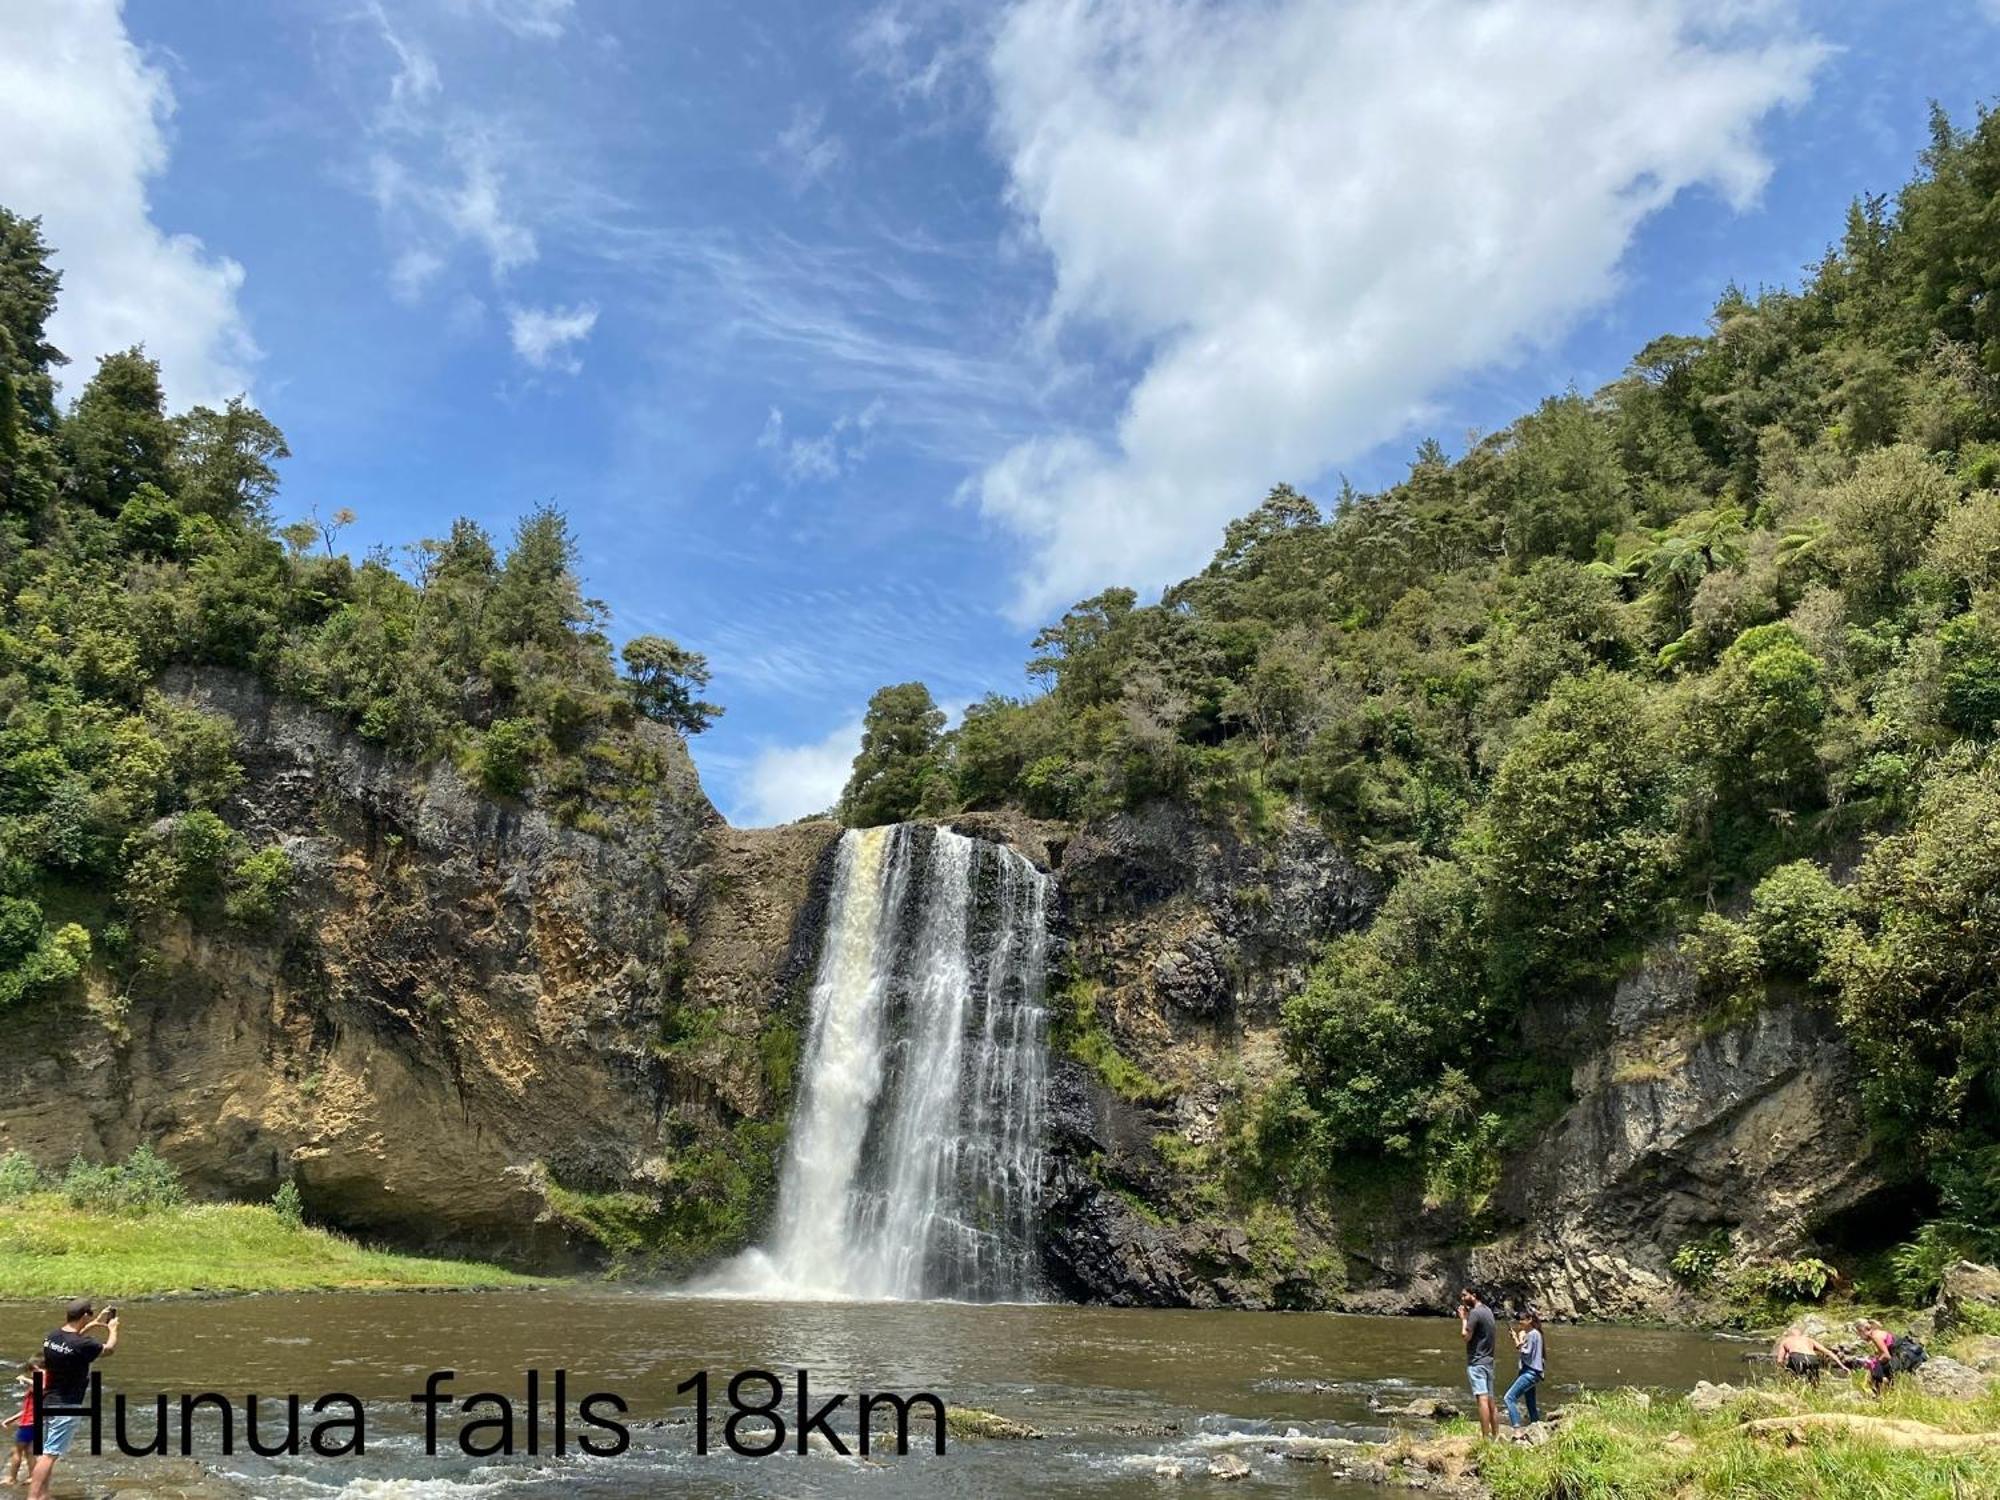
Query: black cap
point(81, 1308)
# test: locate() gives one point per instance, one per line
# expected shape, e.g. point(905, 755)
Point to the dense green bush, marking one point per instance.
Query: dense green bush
point(1783, 1282)
point(1698, 1263)
point(141, 1184)
point(1796, 913)
point(1391, 1011)
point(19, 1176)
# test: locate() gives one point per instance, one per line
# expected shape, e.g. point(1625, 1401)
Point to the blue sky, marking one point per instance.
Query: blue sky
point(855, 339)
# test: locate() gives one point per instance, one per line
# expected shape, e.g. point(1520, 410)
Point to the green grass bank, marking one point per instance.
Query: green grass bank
point(49, 1249)
point(1771, 1443)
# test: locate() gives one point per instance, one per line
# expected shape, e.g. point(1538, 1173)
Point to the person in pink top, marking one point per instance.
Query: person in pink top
point(23, 1422)
point(1881, 1361)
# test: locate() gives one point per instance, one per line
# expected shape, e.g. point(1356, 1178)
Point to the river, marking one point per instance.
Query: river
point(1117, 1393)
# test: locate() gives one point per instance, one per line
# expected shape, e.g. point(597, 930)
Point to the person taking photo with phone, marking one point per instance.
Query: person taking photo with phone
point(68, 1353)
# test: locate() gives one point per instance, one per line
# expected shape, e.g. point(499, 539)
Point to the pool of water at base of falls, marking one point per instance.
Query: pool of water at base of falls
point(1116, 1394)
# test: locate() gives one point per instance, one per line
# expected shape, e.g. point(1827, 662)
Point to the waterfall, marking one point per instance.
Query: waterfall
point(915, 1153)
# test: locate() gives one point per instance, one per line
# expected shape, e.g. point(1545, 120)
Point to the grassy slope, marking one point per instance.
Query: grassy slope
point(48, 1249)
point(1614, 1445)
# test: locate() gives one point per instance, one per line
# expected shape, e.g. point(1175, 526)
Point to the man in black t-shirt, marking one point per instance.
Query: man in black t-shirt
point(68, 1353)
point(1475, 1321)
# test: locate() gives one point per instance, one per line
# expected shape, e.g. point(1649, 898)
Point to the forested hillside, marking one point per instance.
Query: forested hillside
point(132, 540)
point(1712, 651)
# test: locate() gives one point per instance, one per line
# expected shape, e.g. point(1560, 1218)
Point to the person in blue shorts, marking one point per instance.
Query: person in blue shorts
point(68, 1353)
point(1475, 1321)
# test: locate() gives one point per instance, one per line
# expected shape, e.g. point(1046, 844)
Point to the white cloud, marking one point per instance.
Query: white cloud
point(1306, 218)
point(925, 50)
point(461, 200)
point(416, 79)
point(543, 336)
point(540, 20)
point(807, 151)
point(835, 451)
point(440, 177)
point(413, 270)
point(83, 114)
point(784, 782)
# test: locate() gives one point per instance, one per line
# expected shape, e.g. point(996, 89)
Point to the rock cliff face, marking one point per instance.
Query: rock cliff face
point(1681, 1128)
point(473, 1024)
point(463, 1004)
point(1678, 1125)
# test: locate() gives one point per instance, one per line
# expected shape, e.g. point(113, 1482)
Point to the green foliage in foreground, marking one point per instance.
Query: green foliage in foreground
point(49, 1249)
point(1614, 1447)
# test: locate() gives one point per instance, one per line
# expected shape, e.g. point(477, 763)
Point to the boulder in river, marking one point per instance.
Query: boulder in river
point(970, 1422)
point(1228, 1466)
point(1425, 1408)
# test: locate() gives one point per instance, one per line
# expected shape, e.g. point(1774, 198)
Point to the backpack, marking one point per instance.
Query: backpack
point(1907, 1354)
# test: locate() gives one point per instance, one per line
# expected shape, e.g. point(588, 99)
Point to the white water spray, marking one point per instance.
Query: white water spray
point(915, 1154)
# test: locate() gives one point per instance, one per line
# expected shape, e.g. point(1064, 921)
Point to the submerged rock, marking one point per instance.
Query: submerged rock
point(1228, 1466)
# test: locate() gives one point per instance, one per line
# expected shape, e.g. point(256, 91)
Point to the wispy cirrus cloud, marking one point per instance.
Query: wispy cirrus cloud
point(460, 198)
point(837, 449)
point(806, 151)
point(857, 322)
point(536, 20)
point(449, 179)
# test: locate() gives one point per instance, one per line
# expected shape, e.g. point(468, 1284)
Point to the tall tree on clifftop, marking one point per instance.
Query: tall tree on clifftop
point(899, 762)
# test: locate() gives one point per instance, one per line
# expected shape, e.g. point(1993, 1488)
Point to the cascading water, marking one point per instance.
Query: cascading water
point(915, 1152)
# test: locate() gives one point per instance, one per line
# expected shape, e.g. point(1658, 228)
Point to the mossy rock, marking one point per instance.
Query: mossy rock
point(970, 1422)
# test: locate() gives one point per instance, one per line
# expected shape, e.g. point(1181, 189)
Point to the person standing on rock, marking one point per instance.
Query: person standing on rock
point(1475, 1322)
point(68, 1353)
point(1528, 1342)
